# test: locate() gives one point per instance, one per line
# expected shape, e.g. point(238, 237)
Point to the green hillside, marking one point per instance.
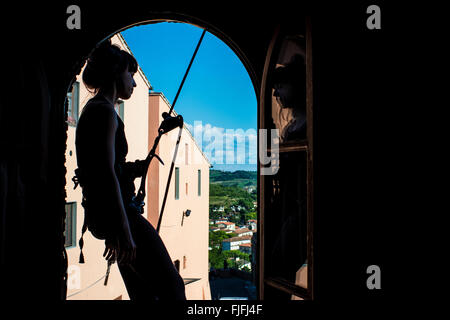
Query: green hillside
point(240, 178)
point(232, 189)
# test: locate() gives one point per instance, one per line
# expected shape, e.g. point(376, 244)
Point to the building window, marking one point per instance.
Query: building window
point(186, 188)
point(119, 107)
point(70, 231)
point(177, 183)
point(184, 262)
point(186, 154)
point(199, 182)
point(73, 98)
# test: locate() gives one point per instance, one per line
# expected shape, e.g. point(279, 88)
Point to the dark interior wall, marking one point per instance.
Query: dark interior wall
point(351, 89)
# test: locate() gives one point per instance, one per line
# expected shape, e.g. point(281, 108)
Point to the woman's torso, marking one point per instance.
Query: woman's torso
point(90, 141)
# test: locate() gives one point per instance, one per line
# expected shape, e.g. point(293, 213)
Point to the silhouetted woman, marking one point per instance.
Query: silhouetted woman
point(101, 146)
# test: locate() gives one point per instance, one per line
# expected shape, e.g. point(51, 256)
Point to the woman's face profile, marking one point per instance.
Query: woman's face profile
point(126, 85)
point(285, 94)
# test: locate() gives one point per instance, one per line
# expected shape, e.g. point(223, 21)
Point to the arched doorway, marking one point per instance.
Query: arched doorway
point(76, 109)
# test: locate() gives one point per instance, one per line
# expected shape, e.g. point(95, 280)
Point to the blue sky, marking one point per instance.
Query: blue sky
point(218, 94)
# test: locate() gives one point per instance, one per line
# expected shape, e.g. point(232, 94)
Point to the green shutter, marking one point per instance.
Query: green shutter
point(71, 223)
point(199, 182)
point(69, 103)
point(177, 183)
point(121, 110)
point(119, 106)
point(76, 100)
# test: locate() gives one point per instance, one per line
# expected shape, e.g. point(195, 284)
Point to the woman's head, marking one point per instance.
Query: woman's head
point(289, 83)
point(110, 67)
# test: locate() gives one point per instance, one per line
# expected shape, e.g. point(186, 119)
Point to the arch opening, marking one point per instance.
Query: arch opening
point(200, 175)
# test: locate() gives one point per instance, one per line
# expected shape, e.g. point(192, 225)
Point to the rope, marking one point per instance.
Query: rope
point(187, 71)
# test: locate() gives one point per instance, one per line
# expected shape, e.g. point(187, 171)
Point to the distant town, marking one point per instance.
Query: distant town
point(233, 224)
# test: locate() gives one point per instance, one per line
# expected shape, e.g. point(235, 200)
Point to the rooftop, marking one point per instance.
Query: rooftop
point(227, 223)
point(140, 71)
point(236, 239)
point(243, 230)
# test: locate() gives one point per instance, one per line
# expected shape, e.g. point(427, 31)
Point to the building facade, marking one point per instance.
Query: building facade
point(227, 225)
point(185, 221)
point(235, 242)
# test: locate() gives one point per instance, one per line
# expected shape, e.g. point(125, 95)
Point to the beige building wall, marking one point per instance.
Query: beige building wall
point(188, 243)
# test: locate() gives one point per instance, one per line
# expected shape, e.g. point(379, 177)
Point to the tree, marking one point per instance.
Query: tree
point(216, 258)
point(235, 218)
point(216, 238)
point(233, 254)
point(251, 215)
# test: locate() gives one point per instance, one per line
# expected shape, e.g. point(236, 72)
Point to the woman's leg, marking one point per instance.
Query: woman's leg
point(153, 274)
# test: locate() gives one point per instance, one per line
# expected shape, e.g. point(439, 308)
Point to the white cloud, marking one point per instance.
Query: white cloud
point(225, 146)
